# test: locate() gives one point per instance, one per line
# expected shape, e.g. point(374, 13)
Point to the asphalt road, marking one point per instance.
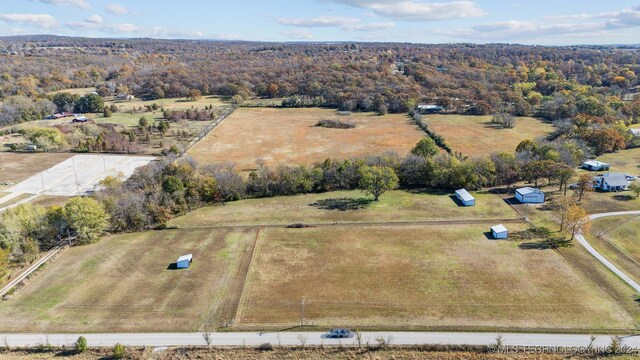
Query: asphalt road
point(313, 338)
point(581, 239)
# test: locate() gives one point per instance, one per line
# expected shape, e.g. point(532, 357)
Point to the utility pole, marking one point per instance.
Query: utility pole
point(75, 173)
point(302, 313)
point(104, 162)
point(42, 179)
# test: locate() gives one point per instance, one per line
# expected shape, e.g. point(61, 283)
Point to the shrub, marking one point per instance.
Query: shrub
point(118, 351)
point(81, 344)
point(336, 124)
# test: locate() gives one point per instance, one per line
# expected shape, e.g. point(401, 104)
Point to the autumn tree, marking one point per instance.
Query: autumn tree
point(87, 218)
point(376, 180)
point(635, 187)
point(560, 207)
point(583, 186)
point(194, 95)
point(577, 220)
point(426, 147)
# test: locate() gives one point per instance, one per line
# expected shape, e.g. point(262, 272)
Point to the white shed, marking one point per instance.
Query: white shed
point(184, 261)
point(529, 195)
point(499, 232)
point(465, 198)
point(595, 165)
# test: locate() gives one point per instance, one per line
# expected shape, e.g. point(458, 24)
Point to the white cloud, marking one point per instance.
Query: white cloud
point(298, 35)
point(320, 21)
point(116, 9)
point(345, 23)
point(374, 26)
point(94, 19)
point(39, 20)
point(416, 10)
point(77, 3)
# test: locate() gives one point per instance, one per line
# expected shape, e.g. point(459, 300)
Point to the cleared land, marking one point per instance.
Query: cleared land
point(439, 277)
point(79, 175)
point(168, 104)
point(476, 136)
point(618, 239)
point(289, 136)
point(346, 206)
point(123, 284)
point(77, 91)
point(18, 167)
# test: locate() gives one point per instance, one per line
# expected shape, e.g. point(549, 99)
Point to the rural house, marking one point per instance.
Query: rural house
point(529, 195)
point(465, 198)
point(611, 182)
point(499, 232)
point(428, 109)
point(635, 132)
point(595, 165)
point(184, 261)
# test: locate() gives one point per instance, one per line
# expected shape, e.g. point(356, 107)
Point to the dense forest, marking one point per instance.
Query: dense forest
point(588, 91)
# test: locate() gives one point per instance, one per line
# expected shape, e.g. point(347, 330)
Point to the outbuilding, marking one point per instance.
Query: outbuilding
point(529, 195)
point(184, 261)
point(612, 182)
point(465, 198)
point(595, 165)
point(499, 232)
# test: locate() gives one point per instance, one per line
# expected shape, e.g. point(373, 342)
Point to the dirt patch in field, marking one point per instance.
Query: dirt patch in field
point(19, 166)
point(290, 136)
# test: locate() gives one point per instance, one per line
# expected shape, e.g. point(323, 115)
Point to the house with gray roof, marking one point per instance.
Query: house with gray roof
point(611, 182)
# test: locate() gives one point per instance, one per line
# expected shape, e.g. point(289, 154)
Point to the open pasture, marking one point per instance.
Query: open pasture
point(347, 206)
point(476, 136)
point(290, 136)
point(618, 239)
point(418, 277)
point(123, 283)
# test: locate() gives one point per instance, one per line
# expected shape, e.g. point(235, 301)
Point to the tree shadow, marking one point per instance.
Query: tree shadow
point(342, 204)
point(623, 197)
point(546, 244)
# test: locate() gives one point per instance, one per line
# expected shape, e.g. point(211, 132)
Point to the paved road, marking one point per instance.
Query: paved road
point(313, 338)
point(581, 239)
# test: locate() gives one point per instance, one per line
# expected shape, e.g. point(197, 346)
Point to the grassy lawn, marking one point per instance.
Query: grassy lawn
point(289, 136)
point(168, 104)
point(123, 284)
point(418, 277)
point(14, 200)
point(618, 240)
point(625, 161)
point(476, 136)
point(346, 206)
point(77, 91)
point(50, 200)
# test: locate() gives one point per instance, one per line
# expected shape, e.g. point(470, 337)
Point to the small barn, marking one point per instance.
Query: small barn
point(635, 132)
point(80, 119)
point(499, 232)
point(595, 165)
point(529, 195)
point(465, 198)
point(184, 261)
point(429, 108)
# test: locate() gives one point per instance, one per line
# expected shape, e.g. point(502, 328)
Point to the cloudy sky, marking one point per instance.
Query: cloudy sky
point(546, 22)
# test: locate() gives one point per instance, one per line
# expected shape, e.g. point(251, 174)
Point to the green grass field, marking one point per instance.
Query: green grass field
point(476, 136)
point(420, 277)
point(169, 104)
point(618, 239)
point(625, 161)
point(123, 284)
point(346, 206)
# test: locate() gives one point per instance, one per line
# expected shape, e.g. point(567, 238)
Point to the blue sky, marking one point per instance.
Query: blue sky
point(545, 22)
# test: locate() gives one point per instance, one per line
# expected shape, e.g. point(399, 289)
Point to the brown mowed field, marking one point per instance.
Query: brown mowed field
point(123, 283)
point(476, 136)
point(19, 166)
point(289, 136)
point(422, 277)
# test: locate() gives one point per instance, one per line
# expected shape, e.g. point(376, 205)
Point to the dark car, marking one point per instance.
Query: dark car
point(339, 333)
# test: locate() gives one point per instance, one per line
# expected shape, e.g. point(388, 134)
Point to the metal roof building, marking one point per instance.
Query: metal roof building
point(529, 195)
point(184, 261)
point(465, 198)
point(499, 232)
point(595, 165)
